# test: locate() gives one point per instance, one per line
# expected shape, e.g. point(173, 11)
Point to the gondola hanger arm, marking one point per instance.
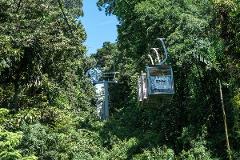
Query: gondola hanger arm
point(165, 50)
point(151, 59)
point(157, 54)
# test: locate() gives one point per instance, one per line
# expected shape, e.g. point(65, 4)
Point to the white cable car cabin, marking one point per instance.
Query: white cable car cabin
point(158, 79)
point(142, 87)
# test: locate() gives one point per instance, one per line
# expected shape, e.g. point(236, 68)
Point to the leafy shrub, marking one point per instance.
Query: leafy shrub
point(194, 148)
point(10, 141)
point(158, 153)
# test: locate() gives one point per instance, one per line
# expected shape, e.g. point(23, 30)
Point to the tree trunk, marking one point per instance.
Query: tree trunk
point(225, 122)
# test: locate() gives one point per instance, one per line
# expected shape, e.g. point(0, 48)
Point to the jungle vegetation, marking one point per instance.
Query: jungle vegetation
point(47, 109)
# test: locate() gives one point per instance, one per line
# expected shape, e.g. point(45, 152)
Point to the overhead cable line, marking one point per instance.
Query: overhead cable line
point(65, 17)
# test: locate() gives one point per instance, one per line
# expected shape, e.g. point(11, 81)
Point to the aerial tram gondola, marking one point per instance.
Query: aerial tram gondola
point(158, 79)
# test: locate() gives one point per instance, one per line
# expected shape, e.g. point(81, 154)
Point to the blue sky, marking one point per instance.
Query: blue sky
point(99, 27)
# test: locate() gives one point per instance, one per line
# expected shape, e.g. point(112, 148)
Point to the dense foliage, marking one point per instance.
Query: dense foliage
point(46, 101)
point(43, 90)
point(191, 122)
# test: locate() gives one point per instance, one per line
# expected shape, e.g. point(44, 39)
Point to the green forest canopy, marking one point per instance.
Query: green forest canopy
point(47, 103)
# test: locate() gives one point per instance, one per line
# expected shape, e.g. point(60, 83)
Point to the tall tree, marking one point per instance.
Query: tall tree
point(105, 56)
point(42, 65)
